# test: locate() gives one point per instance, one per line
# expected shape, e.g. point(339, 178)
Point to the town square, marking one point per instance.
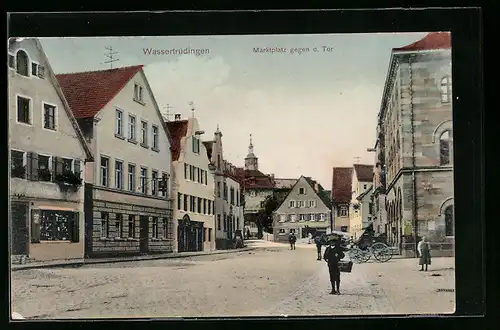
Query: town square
point(231, 176)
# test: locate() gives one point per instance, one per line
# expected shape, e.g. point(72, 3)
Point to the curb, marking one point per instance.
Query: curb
point(127, 259)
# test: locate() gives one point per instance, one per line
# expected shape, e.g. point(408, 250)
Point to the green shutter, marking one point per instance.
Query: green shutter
point(35, 226)
point(77, 167)
point(33, 159)
point(75, 227)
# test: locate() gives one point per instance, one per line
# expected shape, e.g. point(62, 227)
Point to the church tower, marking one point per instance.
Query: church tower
point(251, 161)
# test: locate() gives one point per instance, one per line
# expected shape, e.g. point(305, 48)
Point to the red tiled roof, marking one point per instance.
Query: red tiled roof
point(342, 184)
point(177, 130)
point(253, 179)
point(88, 92)
point(434, 40)
point(364, 173)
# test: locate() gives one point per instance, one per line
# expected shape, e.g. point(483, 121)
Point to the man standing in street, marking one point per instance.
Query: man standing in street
point(292, 239)
point(333, 255)
point(317, 241)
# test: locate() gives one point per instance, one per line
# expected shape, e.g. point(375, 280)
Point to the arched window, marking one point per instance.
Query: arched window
point(446, 90)
point(445, 148)
point(22, 63)
point(449, 221)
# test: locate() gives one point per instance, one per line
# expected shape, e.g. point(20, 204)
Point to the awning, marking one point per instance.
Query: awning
point(57, 208)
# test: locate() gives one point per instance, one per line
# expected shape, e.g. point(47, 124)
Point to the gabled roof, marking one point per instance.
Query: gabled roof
point(364, 173)
point(67, 107)
point(342, 184)
point(281, 183)
point(177, 129)
point(434, 40)
point(254, 179)
point(321, 192)
point(88, 92)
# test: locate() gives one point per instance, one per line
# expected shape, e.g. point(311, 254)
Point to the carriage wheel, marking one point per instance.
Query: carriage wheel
point(378, 246)
point(383, 255)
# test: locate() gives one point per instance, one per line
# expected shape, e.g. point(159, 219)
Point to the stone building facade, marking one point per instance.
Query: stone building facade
point(416, 120)
point(128, 199)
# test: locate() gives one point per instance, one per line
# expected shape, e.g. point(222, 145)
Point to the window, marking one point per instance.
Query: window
point(302, 217)
point(186, 171)
point(300, 204)
point(218, 189)
point(138, 93)
point(196, 144)
point(302, 191)
point(204, 206)
point(144, 133)
point(165, 227)
point(312, 217)
point(119, 123)
point(18, 164)
point(322, 217)
point(154, 183)
point(282, 218)
point(23, 110)
point(292, 204)
point(449, 221)
point(205, 173)
point(186, 197)
point(104, 224)
point(44, 173)
point(131, 226)
point(154, 133)
point(292, 231)
point(164, 185)
point(49, 116)
point(118, 225)
point(445, 148)
point(67, 165)
point(12, 61)
point(131, 177)
point(225, 191)
point(35, 69)
point(144, 178)
point(179, 201)
point(281, 231)
point(364, 186)
point(199, 204)
point(209, 234)
point(22, 63)
point(237, 198)
point(343, 211)
point(218, 222)
point(58, 226)
point(446, 90)
point(119, 174)
point(155, 227)
point(131, 128)
point(224, 225)
point(104, 171)
point(311, 203)
point(209, 207)
point(190, 203)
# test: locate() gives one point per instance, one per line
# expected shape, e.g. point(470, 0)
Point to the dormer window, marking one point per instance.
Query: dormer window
point(138, 93)
point(196, 145)
point(302, 191)
point(22, 63)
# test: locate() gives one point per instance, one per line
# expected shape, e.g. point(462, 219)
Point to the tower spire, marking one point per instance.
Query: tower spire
point(251, 161)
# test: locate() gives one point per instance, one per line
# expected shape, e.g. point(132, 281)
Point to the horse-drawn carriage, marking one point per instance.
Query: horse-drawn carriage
point(363, 248)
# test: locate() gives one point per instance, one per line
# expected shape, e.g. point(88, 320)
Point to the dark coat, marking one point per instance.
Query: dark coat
point(333, 256)
point(292, 239)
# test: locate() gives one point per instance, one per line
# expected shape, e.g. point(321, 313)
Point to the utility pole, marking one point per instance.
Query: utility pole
point(110, 55)
point(167, 114)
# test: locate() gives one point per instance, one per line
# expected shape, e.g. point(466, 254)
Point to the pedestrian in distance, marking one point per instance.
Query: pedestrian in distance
point(424, 251)
point(333, 254)
point(317, 241)
point(292, 239)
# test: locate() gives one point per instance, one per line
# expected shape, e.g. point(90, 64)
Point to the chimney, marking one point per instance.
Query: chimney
point(177, 116)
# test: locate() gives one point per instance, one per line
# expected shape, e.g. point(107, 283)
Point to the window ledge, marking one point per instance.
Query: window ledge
point(55, 242)
point(121, 137)
point(155, 149)
point(132, 239)
point(119, 239)
point(144, 145)
point(132, 141)
point(139, 101)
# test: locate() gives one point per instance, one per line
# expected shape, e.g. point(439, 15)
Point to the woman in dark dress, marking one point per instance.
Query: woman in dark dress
point(424, 251)
point(332, 256)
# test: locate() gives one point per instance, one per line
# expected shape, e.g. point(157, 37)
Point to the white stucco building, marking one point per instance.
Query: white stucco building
point(228, 205)
point(359, 213)
point(47, 160)
point(129, 208)
point(193, 188)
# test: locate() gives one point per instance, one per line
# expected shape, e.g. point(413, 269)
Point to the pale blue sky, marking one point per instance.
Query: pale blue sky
point(307, 113)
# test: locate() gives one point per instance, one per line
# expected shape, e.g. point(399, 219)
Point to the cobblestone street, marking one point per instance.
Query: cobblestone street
point(268, 281)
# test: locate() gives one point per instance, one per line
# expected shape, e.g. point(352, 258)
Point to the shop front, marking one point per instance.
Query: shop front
point(190, 235)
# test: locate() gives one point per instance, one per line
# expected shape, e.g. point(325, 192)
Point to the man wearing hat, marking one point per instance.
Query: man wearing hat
point(332, 256)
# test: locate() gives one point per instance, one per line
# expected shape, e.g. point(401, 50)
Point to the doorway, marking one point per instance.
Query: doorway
point(143, 233)
point(20, 232)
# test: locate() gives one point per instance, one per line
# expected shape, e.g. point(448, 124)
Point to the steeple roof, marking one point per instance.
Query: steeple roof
point(250, 150)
